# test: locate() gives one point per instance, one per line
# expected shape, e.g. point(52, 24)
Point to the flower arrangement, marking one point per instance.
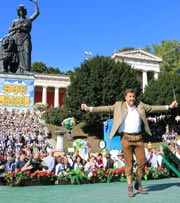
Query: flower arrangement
point(19, 178)
point(46, 177)
point(78, 176)
point(99, 175)
point(68, 123)
point(156, 173)
point(119, 174)
point(26, 178)
point(63, 178)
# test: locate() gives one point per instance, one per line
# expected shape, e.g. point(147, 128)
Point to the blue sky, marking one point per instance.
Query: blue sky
point(66, 29)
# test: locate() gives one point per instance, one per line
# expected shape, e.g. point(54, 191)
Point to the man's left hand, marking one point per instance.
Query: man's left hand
point(174, 104)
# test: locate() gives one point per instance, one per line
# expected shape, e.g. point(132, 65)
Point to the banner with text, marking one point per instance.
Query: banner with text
point(16, 94)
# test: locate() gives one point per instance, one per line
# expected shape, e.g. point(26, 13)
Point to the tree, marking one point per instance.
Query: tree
point(51, 70)
point(148, 48)
point(125, 49)
point(55, 116)
point(169, 50)
point(69, 73)
point(99, 81)
point(161, 91)
point(38, 67)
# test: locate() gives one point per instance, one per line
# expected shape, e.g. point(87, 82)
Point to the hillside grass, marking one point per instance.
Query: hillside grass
point(78, 133)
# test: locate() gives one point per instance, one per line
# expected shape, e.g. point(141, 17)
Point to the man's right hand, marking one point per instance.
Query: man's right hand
point(84, 107)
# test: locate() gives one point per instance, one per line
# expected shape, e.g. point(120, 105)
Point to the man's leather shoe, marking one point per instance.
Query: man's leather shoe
point(130, 191)
point(139, 187)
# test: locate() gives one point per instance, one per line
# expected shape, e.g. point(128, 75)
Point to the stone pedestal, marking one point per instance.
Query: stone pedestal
point(60, 141)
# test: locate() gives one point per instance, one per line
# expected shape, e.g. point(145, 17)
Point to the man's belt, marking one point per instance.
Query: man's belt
point(133, 139)
point(124, 133)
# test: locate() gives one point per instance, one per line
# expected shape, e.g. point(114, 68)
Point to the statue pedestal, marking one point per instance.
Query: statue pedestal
point(60, 141)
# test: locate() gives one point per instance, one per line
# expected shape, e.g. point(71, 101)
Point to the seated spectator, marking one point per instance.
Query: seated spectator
point(154, 160)
point(50, 161)
point(159, 157)
point(149, 157)
point(78, 162)
point(120, 162)
point(91, 164)
point(173, 134)
point(60, 166)
point(99, 161)
point(9, 162)
point(67, 165)
point(165, 136)
point(35, 164)
point(109, 162)
point(69, 160)
point(21, 162)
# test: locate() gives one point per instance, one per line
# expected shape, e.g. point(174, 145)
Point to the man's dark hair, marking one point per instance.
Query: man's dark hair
point(130, 90)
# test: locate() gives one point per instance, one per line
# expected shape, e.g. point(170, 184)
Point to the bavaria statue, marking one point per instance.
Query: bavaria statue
point(16, 46)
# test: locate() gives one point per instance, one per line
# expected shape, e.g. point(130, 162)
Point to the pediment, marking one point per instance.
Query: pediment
point(136, 54)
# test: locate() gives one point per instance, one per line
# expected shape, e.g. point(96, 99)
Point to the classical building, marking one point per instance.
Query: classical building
point(145, 64)
point(50, 89)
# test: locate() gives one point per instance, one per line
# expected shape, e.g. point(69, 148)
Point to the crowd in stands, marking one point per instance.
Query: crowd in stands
point(164, 128)
point(23, 147)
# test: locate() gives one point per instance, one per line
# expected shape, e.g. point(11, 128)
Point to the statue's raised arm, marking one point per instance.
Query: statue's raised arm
point(35, 15)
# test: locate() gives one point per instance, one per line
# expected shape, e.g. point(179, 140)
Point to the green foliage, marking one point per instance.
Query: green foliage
point(19, 178)
point(160, 92)
point(55, 116)
point(23, 178)
point(155, 173)
point(169, 50)
point(69, 73)
point(99, 81)
point(148, 48)
point(78, 176)
point(125, 49)
point(38, 67)
point(52, 70)
point(64, 176)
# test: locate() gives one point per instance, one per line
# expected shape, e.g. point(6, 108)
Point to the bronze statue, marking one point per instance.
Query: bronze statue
point(20, 33)
point(9, 55)
point(20, 30)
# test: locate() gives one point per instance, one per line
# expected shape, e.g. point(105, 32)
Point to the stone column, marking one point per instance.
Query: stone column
point(44, 95)
point(56, 97)
point(155, 75)
point(60, 141)
point(144, 79)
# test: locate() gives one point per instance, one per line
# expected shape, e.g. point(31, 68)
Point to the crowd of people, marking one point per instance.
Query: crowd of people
point(21, 130)
point(164, 128)
point(21, 135)
point(67, 161)
point(23, 147)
